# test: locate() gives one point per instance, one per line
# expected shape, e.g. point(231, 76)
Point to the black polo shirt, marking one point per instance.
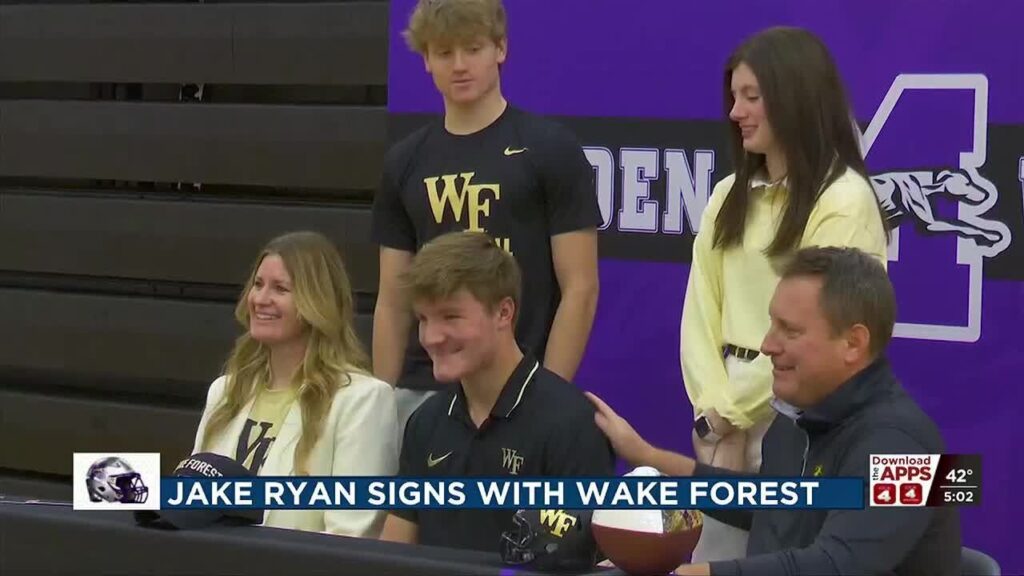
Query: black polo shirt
point(541, 425)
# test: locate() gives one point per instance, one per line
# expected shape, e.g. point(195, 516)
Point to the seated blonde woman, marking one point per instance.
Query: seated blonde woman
point(297, 398)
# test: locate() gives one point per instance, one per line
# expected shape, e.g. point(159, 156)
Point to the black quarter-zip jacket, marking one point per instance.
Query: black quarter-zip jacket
point(869, 414)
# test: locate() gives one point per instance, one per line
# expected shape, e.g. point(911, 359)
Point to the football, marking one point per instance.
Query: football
point(647, 542)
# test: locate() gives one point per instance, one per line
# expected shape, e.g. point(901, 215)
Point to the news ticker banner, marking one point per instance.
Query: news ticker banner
point(132, 482)
point(389, 493)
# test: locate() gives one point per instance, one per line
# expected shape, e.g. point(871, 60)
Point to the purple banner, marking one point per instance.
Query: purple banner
point(936, 88)
point(664, 59)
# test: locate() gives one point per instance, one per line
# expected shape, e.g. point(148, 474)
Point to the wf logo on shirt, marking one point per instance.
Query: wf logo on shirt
point(463, 199)
point(511, 460)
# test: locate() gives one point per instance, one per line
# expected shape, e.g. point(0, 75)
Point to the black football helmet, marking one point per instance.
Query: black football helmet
point(550, 541)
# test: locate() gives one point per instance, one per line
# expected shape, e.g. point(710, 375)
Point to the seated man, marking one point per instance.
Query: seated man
point(838, 402)
point(505, 414)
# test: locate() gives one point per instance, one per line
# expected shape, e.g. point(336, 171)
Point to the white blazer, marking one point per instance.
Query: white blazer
point(360, 438)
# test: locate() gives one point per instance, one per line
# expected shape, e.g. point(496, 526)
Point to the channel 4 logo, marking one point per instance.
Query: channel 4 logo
point(902, 479)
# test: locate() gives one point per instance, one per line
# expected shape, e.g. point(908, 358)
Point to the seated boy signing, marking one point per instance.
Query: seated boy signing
point(504, 415)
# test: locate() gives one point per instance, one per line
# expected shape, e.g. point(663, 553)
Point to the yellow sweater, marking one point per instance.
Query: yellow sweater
point(728, 292)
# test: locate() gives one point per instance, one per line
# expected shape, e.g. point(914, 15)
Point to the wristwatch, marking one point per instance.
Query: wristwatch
point(705, 431)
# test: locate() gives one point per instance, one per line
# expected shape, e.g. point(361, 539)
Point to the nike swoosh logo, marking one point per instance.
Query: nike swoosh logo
point(431, 461)
point(510, 151)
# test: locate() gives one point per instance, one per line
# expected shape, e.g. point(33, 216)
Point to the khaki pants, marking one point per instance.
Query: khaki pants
point(740, 451)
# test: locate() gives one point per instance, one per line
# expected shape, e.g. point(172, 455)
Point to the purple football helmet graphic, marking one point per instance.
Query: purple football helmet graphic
point(114, 480)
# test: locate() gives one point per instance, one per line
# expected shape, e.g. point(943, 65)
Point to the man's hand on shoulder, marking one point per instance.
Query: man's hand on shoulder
point(626, 442)
point(631, 447)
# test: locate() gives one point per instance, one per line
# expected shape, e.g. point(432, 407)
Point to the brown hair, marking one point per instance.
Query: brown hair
point(323, 299)
point(455, 22)
point(855, 290)
point(464, 260)
point(806, 104)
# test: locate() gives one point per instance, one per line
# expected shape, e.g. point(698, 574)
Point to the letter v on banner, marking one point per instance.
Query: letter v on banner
point(925, 147)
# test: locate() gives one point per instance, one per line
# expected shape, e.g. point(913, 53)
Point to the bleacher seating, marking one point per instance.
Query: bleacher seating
point(131, 209)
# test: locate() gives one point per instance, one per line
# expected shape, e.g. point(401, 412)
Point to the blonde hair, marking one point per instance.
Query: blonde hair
point(323, 300)
point(464, 260)
point(455, 22)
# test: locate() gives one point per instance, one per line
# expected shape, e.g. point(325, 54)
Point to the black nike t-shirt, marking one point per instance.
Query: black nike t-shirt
point(522, 180)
